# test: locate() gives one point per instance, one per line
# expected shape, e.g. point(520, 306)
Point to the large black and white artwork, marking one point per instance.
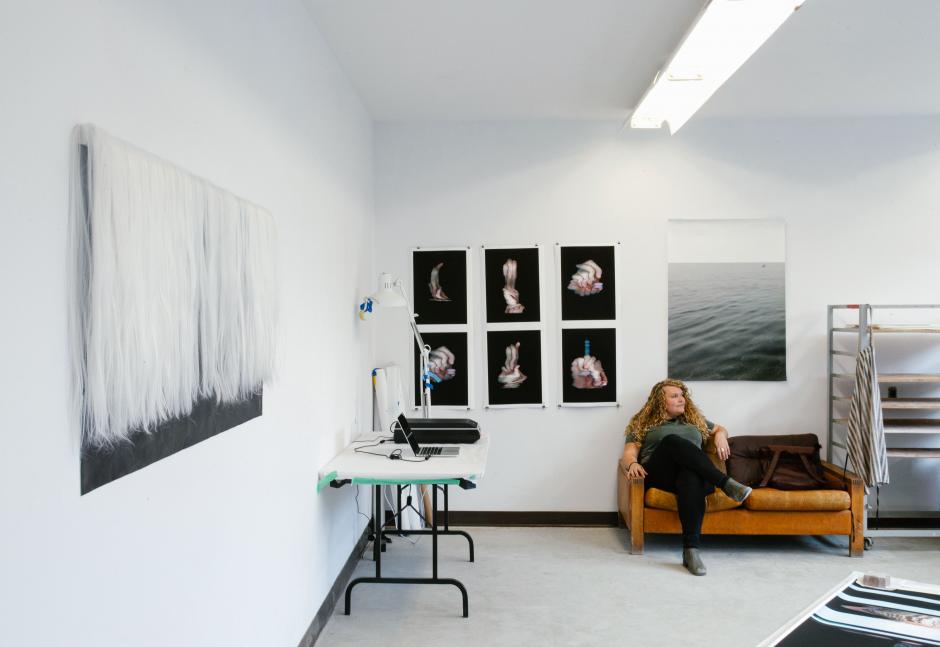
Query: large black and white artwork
point(173, 307)
point(514, 368)
point(588, 281)
point(511, 285)
point(861, 611)
point(448, 369)
point(440, 285)
point(727, 300)
point(588, 366)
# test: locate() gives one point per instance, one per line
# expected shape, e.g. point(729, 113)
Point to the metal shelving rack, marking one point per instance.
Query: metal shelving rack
point(910, 424)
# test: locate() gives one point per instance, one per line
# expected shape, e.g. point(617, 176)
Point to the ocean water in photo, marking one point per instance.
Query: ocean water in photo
point(727, 321)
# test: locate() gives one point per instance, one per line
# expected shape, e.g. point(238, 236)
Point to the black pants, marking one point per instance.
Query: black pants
point(678, 466)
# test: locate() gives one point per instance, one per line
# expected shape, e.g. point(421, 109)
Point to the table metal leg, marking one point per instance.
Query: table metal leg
point(377, 555)
point(398, 511)
point(434, 530)
point(447, 530)
point(377, 544)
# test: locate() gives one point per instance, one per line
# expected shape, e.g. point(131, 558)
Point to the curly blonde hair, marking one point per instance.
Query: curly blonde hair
point(654, 413)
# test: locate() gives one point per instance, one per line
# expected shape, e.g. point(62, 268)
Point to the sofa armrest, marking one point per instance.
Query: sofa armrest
point(630, 492)
point(850, 479)
point(856, 490)
point(712, 452)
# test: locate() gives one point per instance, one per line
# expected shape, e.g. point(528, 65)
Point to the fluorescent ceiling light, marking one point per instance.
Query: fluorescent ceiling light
point(724, 35)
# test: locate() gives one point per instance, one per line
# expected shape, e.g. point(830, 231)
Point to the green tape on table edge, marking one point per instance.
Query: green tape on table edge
point(364, 481)
point(322, 483)
point(325, 481)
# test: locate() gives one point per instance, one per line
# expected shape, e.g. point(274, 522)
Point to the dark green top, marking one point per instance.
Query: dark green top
point(676, 426)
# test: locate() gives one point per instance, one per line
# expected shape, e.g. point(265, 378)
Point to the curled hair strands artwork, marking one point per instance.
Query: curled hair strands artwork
point(173, 294)
point(654, 412)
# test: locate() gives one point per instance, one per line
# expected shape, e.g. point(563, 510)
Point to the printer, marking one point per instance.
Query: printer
point(445, 431)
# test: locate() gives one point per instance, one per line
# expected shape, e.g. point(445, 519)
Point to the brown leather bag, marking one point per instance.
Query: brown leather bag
point(789, 462)
point(791, 467)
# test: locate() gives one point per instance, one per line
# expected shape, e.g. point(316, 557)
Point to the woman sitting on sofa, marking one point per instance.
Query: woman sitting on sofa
point(664, 446)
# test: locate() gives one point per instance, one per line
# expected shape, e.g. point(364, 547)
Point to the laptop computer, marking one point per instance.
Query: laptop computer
point(443, 452)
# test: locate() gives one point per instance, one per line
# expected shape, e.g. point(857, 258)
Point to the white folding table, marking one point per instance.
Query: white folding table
point(366, 462)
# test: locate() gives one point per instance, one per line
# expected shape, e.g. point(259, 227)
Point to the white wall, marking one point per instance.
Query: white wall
point(225, 543)
point(859, 200)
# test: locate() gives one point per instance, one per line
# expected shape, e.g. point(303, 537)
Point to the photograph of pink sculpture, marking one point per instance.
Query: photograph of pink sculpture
point(512, 285)
point(589, 365)
point(448, 366)
point(587, 283)
point(514, 367)
point(439, 284)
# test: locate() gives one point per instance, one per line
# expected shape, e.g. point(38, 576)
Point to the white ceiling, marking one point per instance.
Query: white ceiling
point(472, 60)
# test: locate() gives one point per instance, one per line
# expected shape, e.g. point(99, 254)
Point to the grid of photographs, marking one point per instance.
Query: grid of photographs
point(440, 281)
point(587, 279)
point(514, 349)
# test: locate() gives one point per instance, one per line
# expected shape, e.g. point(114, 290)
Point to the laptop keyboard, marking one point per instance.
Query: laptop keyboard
point(438, 451)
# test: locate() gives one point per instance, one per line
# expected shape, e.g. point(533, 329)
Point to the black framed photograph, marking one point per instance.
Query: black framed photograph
point(589, 365)
point(588, 277)
point(511, 284)
point(514, 368)
point(448, 369)
point(439, 282)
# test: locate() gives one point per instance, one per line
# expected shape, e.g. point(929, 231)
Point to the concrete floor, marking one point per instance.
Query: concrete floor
point(580, 586)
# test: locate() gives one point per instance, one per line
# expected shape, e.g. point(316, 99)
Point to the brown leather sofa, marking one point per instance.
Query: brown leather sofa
point(767, 511)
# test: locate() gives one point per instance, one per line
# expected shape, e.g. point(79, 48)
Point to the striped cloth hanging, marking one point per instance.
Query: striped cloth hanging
point(866, 434)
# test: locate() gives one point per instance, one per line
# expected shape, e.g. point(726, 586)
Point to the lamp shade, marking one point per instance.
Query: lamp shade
point(388, 295)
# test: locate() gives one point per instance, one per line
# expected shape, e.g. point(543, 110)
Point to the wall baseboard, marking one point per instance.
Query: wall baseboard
point(537, 518)
point(336, 591)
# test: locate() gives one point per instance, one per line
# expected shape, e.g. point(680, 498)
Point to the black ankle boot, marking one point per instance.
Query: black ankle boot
point(735, 490)
point(693, 561)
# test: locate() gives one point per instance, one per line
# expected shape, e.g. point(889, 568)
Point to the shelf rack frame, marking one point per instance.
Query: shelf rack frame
point(921, 426)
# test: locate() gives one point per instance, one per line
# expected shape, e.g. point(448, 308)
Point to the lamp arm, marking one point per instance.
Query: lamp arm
point(425, 353)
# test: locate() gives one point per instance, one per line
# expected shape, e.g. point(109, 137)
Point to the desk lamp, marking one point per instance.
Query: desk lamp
point(391, 294)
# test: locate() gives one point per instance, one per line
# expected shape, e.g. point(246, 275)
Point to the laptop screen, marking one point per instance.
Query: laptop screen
point(406, 431)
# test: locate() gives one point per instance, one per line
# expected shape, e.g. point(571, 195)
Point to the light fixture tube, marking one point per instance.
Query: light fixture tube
point(723, 37)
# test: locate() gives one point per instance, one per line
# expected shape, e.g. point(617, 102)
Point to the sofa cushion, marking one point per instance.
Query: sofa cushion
point(717, 500)
point(768, 498)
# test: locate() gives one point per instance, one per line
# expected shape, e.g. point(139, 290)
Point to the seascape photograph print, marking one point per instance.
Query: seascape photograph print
point(727, 300)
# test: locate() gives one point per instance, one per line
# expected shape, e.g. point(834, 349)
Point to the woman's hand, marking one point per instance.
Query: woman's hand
point(721, 443)
point(636, 471)
point(631, 457)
